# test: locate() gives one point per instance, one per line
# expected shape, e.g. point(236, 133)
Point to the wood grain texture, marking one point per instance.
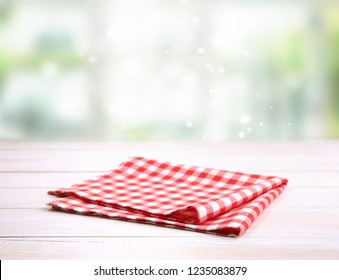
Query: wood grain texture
point(99, 161)
point(122, 248)
point(303, 223)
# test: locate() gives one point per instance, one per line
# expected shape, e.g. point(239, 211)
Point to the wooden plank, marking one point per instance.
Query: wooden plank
point(254, 148)
point(21, 161)
point(52, 180)
point(44, 222)
point(292, 198)
point(44, 180)
point(302, 224)
point(157, 248)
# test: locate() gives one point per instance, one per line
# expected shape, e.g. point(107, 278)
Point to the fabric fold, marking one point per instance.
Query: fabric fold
point(176, 195)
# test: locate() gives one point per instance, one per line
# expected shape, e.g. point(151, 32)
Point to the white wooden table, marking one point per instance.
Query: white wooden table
point(303, 223)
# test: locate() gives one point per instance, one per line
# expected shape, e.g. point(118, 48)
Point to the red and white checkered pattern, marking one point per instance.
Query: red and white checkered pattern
point(162, 193)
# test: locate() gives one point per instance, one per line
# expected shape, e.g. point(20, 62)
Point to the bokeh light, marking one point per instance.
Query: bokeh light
point(179, 70)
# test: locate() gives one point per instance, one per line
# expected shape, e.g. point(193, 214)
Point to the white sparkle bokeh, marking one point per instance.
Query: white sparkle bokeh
point(241, 134)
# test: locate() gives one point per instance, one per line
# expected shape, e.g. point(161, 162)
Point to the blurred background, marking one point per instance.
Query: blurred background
point(169, 70)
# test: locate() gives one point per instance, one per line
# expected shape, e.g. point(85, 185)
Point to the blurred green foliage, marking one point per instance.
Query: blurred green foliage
point(302, 61)
point(332, 38)
point(12, 62)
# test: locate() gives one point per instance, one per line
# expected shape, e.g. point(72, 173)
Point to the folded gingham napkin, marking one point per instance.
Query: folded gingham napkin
point(174, 195)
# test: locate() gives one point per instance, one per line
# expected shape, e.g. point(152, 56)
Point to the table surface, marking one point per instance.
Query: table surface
point(303, 223)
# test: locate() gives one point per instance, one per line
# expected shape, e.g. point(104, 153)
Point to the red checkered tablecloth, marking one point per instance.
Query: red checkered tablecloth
point(174, 195)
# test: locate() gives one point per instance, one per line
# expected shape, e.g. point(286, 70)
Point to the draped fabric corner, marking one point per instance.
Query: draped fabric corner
point(174, 195)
